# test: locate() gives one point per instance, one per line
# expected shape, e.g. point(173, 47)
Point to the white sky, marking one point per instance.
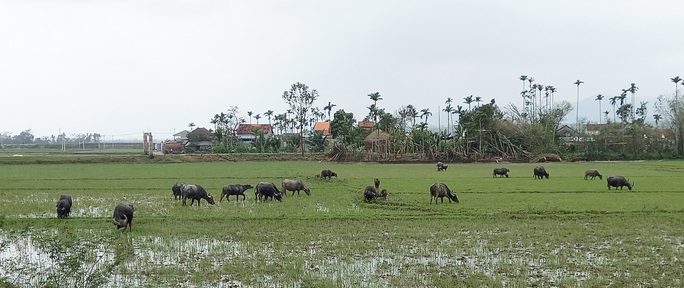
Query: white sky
point(127, 67)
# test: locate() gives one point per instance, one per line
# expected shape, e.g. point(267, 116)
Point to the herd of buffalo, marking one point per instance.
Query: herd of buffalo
point(123, 213)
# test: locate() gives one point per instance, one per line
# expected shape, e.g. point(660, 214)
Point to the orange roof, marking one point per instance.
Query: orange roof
point(322, 126)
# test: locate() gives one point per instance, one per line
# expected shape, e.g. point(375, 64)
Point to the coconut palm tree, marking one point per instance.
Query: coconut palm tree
point(257, 117)
point(250, 113)
point(412, 112)
point(578, 82)
point(599, 98)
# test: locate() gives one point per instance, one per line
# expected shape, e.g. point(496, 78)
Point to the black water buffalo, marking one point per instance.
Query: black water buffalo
point(294, 185)
point(593, 174)
point(176, 188)
point(370, 193)
point(267, 189)
point(501, 172)
point(540, 172)
point(64, 206)
point(441, 166)
point(376, 182)
point(327, 174)
point(441, 190)
point(236, 189)
point(619, 181)
point(196, 192)
point(123, 216)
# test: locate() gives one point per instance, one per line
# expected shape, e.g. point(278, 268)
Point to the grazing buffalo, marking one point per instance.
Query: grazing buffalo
point(294, 185)
point(593, 174)
point(123, 216)
point(376, 182)
point(540, 172)
point(383, 194)
point(501, 172)
point(64, 206)
point(441, 166)
point(267, 189)
point(327, 174)
point(176, 188)
point(236, 190)
point(370, 193)
point(619, 181)
point(441, 190)
point(196, 192)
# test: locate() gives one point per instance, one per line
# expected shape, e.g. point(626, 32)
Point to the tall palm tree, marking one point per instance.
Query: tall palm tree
point(468, 100)
point(632, 89)
point(375, 97)
point(657, 118)
point(553, 90)
point(425, 113)
point(523, 78)
point(191, 125)
point(412, 112)
point(599, 98)
point(606, 115)
point(676, 80)
point(329, 108)
point(257, 117)
point(478, 99)
point(250, 113)
point(448, 109)
point(540, 87)
point(578, 82)
point(268, 114)
point(613, 101)
point(459, 111)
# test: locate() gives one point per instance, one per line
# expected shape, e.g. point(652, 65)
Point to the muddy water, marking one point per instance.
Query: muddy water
point(376, 267)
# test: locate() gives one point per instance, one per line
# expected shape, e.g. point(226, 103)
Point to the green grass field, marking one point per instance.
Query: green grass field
point(505, 232)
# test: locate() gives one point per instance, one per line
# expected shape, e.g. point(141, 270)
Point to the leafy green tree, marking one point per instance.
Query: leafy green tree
point(300, 100)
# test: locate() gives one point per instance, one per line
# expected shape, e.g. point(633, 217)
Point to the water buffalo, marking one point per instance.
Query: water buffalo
point(294, 185)
point(196, 192)
point(64, 206)
point(441, 190)
point(327, 173)
point(176, 188)
point(501, 172)
point(267, 189)
point(376, 182)
point(540, 172)
point(370, 193)
point(619, 181)
point(441, 166)
point(236, 190)
point(123, 216)
point(593, 174)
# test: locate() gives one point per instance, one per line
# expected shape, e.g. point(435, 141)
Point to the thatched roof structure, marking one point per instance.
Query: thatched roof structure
point(377, 141)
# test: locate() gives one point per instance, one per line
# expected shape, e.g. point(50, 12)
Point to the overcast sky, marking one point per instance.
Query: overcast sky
point(122, 68)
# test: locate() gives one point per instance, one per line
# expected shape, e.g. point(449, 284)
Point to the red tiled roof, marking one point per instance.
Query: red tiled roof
point(247, 128)
point(366, 124)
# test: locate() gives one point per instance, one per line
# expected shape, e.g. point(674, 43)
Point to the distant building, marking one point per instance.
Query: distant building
point(323, 127)
point(245, 132)
point(182, 135)
point(368, 125)
point(566, 133)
